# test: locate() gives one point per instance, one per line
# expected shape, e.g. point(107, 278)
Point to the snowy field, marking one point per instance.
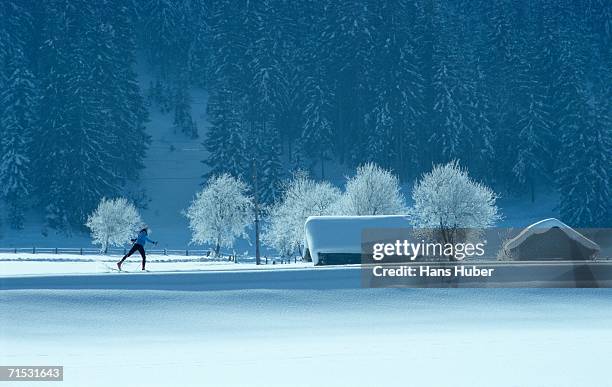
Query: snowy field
point(41, 264)
point(300, 327)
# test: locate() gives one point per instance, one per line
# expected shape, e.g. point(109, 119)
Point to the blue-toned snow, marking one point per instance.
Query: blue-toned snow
point(266, 329)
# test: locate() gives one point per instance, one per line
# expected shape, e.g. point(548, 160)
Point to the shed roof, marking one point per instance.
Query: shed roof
point(543, 226)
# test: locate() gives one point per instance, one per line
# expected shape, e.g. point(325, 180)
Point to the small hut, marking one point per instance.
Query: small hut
point(338, 240)
point(550, 239)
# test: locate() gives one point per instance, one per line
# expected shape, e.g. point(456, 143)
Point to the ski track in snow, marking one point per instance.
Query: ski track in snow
point(43, 264)
point(284, 328)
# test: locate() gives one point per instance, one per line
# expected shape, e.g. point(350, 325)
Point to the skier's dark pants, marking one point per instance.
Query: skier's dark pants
point(140, 249)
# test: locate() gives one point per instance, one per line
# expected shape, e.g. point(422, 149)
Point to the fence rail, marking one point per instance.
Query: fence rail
point(197, 254)
point(110, 251)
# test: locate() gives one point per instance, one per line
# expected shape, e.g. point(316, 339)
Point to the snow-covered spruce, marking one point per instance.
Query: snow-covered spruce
point(372, 191)
point(225, 140)
point(584, 169)
point(533, 150)
point(91, 138)
point(302, 197)
point(18, 110)
point(447, 202)
point(221, 212)
point(113, 223)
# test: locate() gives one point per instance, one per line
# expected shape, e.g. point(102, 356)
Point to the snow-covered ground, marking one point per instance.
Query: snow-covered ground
point(284, 328)
point(40, 264)
point(173, 168)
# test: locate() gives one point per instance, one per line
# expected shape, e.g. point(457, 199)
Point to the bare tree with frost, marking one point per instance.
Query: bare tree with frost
point(221, 212)
point(302, 197)
point(450, 204)
point(113, 223)
point(372, 191)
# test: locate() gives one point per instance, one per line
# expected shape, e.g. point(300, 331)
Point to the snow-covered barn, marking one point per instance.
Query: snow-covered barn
point(551, 239)
point(337, 240)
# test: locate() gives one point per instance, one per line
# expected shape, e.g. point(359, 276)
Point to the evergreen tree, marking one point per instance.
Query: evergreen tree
point(265, 151)
point(533, 149)
point(125, 101)
point(225, 139)
point(164, 22)
point(534, 157)
point(316, 110)
point(402, 83)
point(584, 164)
point(92, 117)
point(584, 173)
point(456, 132)
point(347, 33)
point(18, 120)
point(116, 95)
point(397, 89)
point(182, 111)
point(498, 59)
point(15, 32)
point(316, 138)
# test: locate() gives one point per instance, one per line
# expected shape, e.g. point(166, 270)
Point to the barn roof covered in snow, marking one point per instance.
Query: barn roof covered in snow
point(544, 225)
point(343, 234)
point(551, 239)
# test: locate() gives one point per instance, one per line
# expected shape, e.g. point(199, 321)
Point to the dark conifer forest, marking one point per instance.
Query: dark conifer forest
point(518, 91)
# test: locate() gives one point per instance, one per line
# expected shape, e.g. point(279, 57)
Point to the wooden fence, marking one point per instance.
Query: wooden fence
point(110, 251)
point(195, 253)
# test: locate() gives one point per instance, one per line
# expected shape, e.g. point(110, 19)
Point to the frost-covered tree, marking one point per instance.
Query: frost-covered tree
point(372, 191)
point(301, 198)
point(447, 201)
point(221, 212)
point(113, 222)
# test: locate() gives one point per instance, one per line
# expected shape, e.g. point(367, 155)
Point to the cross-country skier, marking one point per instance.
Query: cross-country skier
point(139, 244)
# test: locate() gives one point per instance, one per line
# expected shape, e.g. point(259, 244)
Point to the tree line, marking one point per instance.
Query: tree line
point(72, 114)
point(516, 90)
point(446, 202)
